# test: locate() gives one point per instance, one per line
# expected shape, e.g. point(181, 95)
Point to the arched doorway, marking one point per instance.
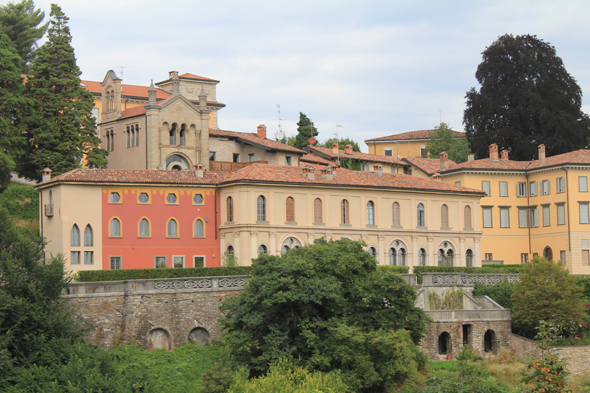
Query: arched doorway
point(548, 253)
point(467, 334)
point(488, 341)
point(159, 339)
point(444, 344)
point(199, 335)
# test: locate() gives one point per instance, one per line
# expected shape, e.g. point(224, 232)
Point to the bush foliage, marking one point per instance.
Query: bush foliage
point(501, 293)
point(20, 201)
point(142, 274)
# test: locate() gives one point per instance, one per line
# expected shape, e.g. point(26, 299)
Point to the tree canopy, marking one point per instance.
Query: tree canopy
point(341, 144)
point(327, 305)
point(305, 130)
point(444, 140)
point(20, 22)
point(62, 133)
point(526, 98)
point(546, 291)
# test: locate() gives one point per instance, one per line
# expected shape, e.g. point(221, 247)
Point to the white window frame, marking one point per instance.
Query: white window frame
point(165, 261)
point(546, 215)
point(504, 217)
point(584, 216)
point(111, 262)
point(174, 261)
point(559, 185)
point(560, 214)
point(545, 187)
point(386, 150)
point(503, 185)
point(486, 214)
point(485, 186)
point(583, 183)
point(200, 256)
point(521, 189)
point(534, 188)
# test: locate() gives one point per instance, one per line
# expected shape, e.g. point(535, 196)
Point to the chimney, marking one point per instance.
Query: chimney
point(335, 148)
point(470, 157)
point(327, 173)
point(378, 169)
point(199, 170)
point(45, 175)
point(541, 154)
point(444, 160)
point(493, 151)
point(437, 176)
point(309, 173)
point(348, 149)
point(175, 82)
point(261, 131)
point(504, 155)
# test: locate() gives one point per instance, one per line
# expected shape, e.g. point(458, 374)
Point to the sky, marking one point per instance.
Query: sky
point(364, 69)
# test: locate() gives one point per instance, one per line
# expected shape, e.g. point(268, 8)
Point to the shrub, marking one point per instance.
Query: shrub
point(501, 293)
point(20, 201)
point(142, 274)
point(394, 269)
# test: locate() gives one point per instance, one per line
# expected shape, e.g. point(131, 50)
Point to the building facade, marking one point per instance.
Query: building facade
point(411, 144)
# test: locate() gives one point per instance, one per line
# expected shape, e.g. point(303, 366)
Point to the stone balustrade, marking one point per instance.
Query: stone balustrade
point(461, 279)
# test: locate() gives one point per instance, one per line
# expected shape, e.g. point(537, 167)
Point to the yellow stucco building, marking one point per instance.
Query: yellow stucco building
point(407, 144)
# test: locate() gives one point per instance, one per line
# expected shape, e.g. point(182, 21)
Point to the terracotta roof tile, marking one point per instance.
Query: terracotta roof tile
point(255, 139)
point(128, 90)
point(421, 134)
point(312, 158)
point(427, 165)
point(193, 76)
point(581, 156)
point(487, 164)
point(323, 151)
point(131, 112)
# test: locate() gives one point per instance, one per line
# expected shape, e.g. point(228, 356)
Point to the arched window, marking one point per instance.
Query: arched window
point(548, 253)
point(108, 141)
point(317, 211)
point(172, 228)
point(261, 208)
point(75, 236)
point(262, 249)
point(144, 228)
point(182, 135)
point(444, 216)
point(373, 252)
point(401, 258)
point(112, 140)
point(370, 213)
point(290, 243)
point(467, 214)
point(128, 134)
point(422, 257)
point(172, 134)
point(420, 215)
point(88, 236)
point(469, 258)
point(446, 255)
point(176, 162)
point(115, 227)
point(230, 250)
point(290, 209)
point(345, 215)
point(397, 254)
point(199, 230)
point(132, 136)
point(395, 211)
point(230, 209)
point(137, 135)
point(392, 256)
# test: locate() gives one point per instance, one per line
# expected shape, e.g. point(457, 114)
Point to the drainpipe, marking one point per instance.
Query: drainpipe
point(216, 188)
point(528, 203)
point(567, 195)
point(41, 218)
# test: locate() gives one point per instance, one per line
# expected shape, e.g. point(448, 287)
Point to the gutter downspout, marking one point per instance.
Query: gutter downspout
point(41, 217)
point(567, 195)
point(216, 188)
point(528, 203)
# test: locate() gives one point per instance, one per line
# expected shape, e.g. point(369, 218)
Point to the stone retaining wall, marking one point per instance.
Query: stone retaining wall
point(577, 358)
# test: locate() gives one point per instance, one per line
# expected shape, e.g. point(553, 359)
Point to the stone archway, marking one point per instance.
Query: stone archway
point(489, 344)
point(199, 335)
point(444, 344)
point(159, 339)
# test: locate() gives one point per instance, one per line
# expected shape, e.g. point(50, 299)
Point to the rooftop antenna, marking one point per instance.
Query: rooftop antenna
point(280, 135)
point(439, 117)
point(336, 133)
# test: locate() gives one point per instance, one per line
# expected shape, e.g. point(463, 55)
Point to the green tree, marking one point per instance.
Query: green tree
point(546, 291)
point(15, 108)
point(20, 22)
point(327, 305)
point(444, 140)
point(341, 144)
point(305, 130)
point(526, 98)
point(63, 133)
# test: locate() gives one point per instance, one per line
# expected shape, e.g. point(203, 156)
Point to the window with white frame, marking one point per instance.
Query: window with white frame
point(560, 185)
point(115, 262)
point(521, 189)
point(199, 261)
point(504, 217)
point(546, 216)
point(523, 217)
point(485, 185)
point(503, 188)
point(533, 187)
point(388, 152)
point(178, 261)
point(524, 258)
point(370, 213)
point(583, 183)
point(561, 214)
point(583, 212)
point(160, 262)
point(545, 187)
point(487, 216)
point(534, 217)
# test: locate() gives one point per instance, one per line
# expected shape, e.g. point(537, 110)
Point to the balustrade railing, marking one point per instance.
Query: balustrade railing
point(461, 279)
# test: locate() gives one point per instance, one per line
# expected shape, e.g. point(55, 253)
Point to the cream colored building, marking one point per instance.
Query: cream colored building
point(411, 144)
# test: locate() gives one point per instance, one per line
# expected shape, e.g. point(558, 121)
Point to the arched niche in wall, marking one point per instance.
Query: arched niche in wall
point(159, 339)
point(199, 335)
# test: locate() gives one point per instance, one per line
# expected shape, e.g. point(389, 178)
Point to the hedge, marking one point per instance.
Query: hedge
point(142, 274)
point(506, 269)
point(584, 282)
point(394, 268)
point(20, 201)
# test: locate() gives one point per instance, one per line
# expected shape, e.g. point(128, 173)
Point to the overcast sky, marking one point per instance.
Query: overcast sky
point(374, 67)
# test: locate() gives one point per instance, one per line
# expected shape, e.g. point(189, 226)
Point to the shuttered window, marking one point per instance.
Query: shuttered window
point(444, 216)
point(534, 217)
point(503, 189)
point(290, 207)
point(370, 213)
point(523, 218)
point(546, 216)
point(561, 214)
point(533, 188)
point(467, 213)
point(345, 213)
point(583, 213)
point(521, 189)
point(395, 211)
point(317, 211)
point(485, 185)
point(583, 184)
point(504, 217)
point(487, 217)
point(559, 185)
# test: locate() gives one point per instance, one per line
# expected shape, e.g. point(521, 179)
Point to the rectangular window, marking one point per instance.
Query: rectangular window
point(585, 243)
point(521, 189)
point(503, 188)
point(288, 160)
point(407, 171)
point(504, 217)
point(364, 167)
point(236, 158)
point(94, 114)
point(545, 187)
point(534, 217)
point(489, 256)
point(160, 262)
point(88, 257)
point(561, 214)
point(250, 157)
point(178, 260)
point(388, 152)
point(533, 185)
point(458, 183)
point(585, 257)
point(524, 258)
point(75, 257)
point(115, 263)
point(523, 217)
point(583, 183)
point(199, 261)
point(485, 185)
point(546, 216)
point(423, 152)
point(560, 185)
point(487, 217)
point(583, 212)
point(562, 257)
point(211, 156)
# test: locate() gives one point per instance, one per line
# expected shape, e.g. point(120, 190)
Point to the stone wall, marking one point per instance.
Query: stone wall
point(524, 346)
point(577, 358)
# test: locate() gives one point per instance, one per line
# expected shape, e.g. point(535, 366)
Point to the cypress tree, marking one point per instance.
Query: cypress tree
point(63, 133)
point(15, 107)
point(305, 130)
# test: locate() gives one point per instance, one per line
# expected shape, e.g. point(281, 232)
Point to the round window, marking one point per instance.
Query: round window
point(114, 197)
point(198, 199)
point(144, 197)
point(171, 198)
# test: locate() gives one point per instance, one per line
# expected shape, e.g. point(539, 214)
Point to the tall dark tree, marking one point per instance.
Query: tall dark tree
point(15, 108)
point(20, 22)
point(305, 130)
point(526, 98)
point(63, 133)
